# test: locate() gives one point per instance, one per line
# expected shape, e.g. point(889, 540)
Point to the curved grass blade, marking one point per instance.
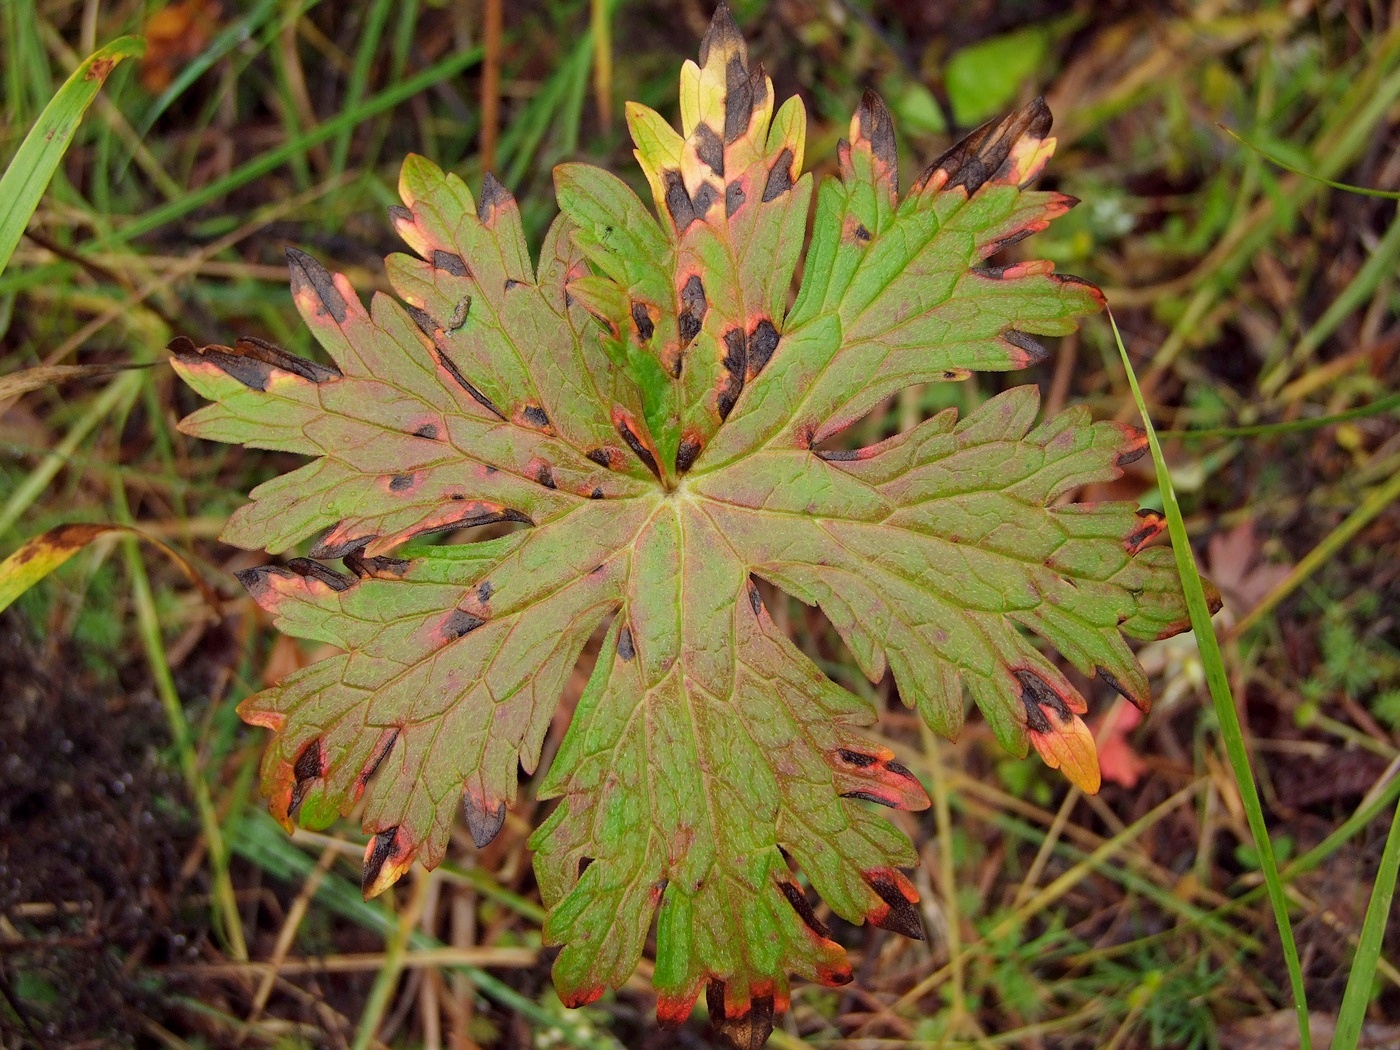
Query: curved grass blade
point(1345, 187)
point(1230, 730)
point(29, 173)
point(45, 553)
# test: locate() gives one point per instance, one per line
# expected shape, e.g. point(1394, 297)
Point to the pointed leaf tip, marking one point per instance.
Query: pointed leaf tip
point(747, 1029)
point(310, 277)
point(1038, 118)
point(896, 911)
point(387, 857)
point(1012, 151)
point(483, 821)
point(874, 125)
point(493, 196)
point(723, 37)
point(1057, 732)
point(674, 1010)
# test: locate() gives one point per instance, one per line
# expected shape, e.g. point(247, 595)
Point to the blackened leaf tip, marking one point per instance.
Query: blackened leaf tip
point(723, 33)
point(379, 850)
point(900, 916)
point(308, 273)
point(254, 580)
point(877, 127)
point(1142, 703)
point(314, 570)
point(493, 195)
point(483, 822)
point(1038, 117)
point(749, 1031)
point(323, 548)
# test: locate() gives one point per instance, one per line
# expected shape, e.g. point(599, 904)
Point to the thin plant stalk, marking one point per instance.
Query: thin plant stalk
point(1231, 733)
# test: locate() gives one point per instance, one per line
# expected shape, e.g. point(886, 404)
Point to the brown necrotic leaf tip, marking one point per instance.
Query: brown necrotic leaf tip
point(632, 432)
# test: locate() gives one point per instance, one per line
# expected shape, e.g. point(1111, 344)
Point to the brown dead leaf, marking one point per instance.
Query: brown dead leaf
point(1234, 563)
point(28, 379)
point(287, 655)
point(175, 34)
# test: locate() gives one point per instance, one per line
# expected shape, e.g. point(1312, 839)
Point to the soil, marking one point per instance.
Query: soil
point(94, 832)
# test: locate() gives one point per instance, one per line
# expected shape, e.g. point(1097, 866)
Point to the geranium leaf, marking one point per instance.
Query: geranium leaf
point(653, 419)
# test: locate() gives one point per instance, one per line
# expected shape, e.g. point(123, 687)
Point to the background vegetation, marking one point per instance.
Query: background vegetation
point(146, 898)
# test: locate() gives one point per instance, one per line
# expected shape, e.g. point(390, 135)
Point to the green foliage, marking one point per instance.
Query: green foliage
point(1354, 662)
point(645, 411)
point(984, 79)
point(1167, 997)
point(1248, 857)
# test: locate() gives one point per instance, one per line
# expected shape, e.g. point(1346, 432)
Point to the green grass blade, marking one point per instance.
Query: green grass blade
point(224, 901)
point(1345, 187)
point(28, 175)
point(228, 39)
point(114, 400)
point(375, 20)
point(1293, 426)
point(260, 165)
point(1230, 731)
point(1368, 949)
point(1359, 290)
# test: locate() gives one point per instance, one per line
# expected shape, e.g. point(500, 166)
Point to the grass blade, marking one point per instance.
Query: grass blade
point(1345, 187)
point(600, 22)
point(1294, 426)
point(375, 20)
point(228, 39)
point(224, 903)
point(28, 175)
point(27, 379)
point(1230, 731)
point(43, 554)
point(114, 400)
point(263, 163)
point(1368, 949)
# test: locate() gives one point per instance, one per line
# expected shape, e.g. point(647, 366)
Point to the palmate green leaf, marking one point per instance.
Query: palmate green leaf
point(645, 405)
